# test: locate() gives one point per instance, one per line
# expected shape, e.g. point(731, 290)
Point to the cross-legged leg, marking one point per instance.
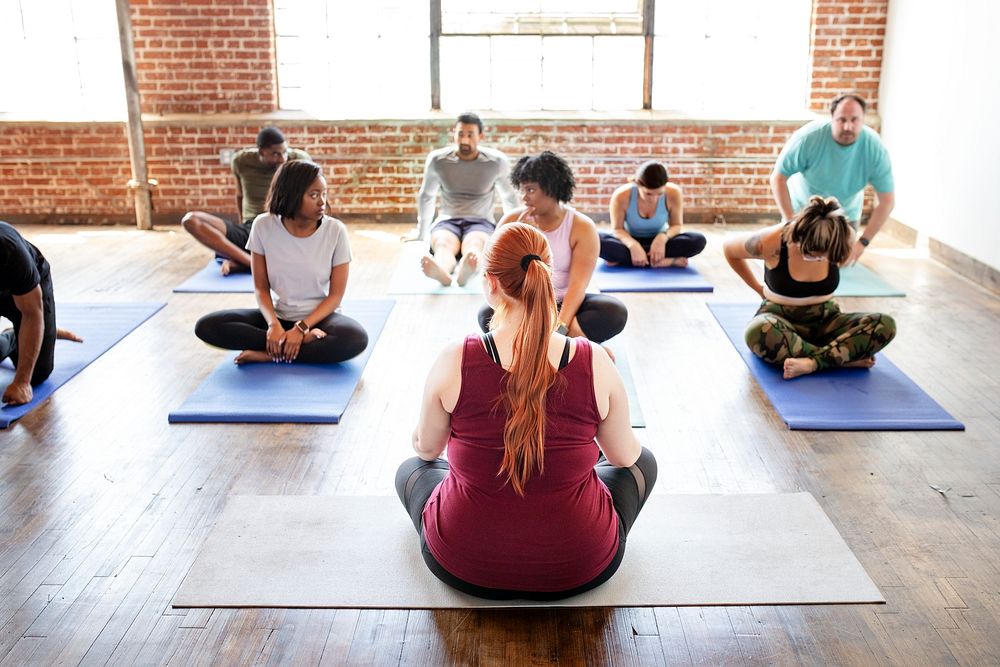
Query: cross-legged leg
point(222, 237)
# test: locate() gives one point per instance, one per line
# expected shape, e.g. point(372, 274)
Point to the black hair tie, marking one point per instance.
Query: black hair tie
point(526, 260)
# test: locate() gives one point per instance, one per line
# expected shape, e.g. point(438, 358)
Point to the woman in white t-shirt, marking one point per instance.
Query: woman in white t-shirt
point(299, 258)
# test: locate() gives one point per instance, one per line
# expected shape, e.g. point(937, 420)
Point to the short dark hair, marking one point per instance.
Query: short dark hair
point(550, 171)
point(290, 183)
point(846, 96)
point(469, 118)
point(652, 175)
point(269, 136)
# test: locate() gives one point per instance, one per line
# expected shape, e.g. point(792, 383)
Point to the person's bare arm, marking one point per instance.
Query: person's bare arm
point(338, 285)
point(739, 248)
point(615, 436)
point(29, 344)
point(779, 188)
point(616, 210)
point(884, 203)
point(440, 395)
point(239, 199)
point(585, 245)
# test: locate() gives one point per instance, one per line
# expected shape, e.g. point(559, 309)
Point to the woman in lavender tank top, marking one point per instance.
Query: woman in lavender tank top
point(545, 182)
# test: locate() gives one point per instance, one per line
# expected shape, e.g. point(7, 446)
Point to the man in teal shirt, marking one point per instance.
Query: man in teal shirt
point(836, 158)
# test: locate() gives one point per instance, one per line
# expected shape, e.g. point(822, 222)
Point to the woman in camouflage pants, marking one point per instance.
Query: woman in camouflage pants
point(799, 325)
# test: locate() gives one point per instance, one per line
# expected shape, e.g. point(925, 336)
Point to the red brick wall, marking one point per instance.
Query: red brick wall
point(846, 43)
point(208, 57)
point(205, 56)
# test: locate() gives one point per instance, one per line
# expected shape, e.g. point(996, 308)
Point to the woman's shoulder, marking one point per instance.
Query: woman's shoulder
point(622, 191)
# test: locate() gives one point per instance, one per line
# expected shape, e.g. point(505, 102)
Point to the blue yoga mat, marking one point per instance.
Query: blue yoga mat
point(210, 279)
point(644, 279)
point(859, 280)
point(283, 393)
point(882, 398)
point(101, 325)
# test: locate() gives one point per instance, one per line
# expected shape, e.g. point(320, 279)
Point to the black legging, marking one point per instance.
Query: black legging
point(416, 479)
point(8, 339)
point(246, 329)
point(601, 316)
point(685, 244)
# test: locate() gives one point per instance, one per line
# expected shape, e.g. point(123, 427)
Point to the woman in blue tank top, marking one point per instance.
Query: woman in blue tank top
point(798, 324)
point(647, 220)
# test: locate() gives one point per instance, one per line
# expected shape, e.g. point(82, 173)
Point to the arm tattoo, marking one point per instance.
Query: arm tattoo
point(753, 246)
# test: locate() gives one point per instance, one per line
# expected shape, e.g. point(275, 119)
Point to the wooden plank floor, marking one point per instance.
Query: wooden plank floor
point(104, 505)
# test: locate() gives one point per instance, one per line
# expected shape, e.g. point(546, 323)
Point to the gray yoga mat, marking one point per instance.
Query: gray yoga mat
point(362, 552)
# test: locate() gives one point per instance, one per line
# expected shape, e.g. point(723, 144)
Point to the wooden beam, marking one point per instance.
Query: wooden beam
point(136, 145)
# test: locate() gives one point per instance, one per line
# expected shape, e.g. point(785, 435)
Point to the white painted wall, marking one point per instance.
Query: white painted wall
point(940, 106)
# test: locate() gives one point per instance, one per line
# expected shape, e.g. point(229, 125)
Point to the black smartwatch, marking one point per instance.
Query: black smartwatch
point(863, 241)
point(302, 326)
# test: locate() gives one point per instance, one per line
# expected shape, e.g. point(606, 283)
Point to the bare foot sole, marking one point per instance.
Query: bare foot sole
point(680, 262)
point(66, 334)
point(466, 268)
point(229, 266)
point(867, 362)
point(796, 367)
point(251, 357)
point(433, 270)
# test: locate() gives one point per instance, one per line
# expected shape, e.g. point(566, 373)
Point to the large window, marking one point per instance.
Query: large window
point(400, 57)
point(61, 59)
point(344, 59)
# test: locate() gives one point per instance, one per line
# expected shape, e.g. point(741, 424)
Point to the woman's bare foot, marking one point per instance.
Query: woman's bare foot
point(314, 334)
point(867, 362)
point(251, 357)
point(671, 261)
point(433, 270)
point(466, 268)
point(66, 334)
point(796, 367)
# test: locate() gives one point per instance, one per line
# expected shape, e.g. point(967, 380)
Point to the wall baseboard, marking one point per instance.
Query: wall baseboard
point(964, 265)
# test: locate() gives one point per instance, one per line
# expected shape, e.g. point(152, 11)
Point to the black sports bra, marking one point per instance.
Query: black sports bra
point(491, 348)
point(780, 281)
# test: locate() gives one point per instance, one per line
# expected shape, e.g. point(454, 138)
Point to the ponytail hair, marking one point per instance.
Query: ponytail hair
point(518, 256)
point(821, 228)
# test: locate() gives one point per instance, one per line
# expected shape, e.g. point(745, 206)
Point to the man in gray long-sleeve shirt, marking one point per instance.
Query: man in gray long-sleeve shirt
point(466, 175)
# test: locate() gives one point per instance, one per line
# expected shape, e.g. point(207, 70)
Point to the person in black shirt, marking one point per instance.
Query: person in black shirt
point(26, 300)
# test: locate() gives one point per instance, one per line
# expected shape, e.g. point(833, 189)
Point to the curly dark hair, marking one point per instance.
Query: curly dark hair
point(550, 171)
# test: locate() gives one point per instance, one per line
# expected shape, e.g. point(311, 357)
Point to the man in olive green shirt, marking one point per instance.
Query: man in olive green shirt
point(253, 169)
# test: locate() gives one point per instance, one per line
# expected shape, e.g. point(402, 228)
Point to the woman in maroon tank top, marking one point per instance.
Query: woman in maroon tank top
point(525, 506)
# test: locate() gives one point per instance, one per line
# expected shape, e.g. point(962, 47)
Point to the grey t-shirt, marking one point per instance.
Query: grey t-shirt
point(298, 269)
point(466, 186)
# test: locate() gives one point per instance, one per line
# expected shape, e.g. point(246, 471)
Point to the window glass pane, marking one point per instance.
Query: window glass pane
point(567, 67)
point(341, 59)
point(517, 73)
point(618, 73)
point(729, 55)
point(465, 73)
point(66, 60)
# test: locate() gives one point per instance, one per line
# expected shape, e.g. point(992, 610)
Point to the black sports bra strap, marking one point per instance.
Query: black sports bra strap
point(565, 355)
point(491, 348)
